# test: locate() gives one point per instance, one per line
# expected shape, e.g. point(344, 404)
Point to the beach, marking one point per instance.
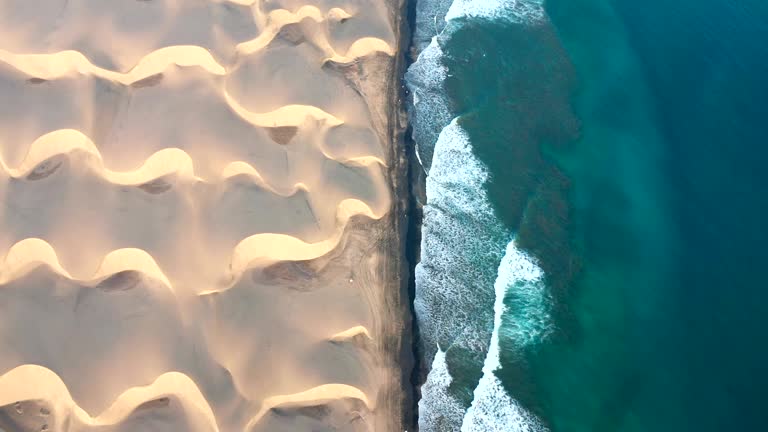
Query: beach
point(203, 217)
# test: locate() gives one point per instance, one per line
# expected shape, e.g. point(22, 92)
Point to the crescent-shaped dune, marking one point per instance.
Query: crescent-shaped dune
point(187, 109)
point(197, 221)
point(361, 48)
point(64, 141)
point(161, 163)
point(30, 253)
point(119, 209)
point(115, 35)
point(60, 64)
point(313, 396)
point(32, 382)
point(351, 333)
point(278, 247)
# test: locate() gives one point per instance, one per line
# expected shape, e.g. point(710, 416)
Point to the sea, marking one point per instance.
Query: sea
point(594, 249)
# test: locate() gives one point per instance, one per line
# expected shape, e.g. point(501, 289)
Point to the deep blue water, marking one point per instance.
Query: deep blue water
point(597, 166)
point(706, 65)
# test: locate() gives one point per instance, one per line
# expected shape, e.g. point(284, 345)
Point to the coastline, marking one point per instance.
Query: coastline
point(411, 193)
point(405, 215)
point(282, 304)
point(416, 193)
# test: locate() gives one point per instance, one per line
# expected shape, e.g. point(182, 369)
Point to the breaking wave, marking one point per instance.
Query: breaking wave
point(469, 268)
point(492, 408)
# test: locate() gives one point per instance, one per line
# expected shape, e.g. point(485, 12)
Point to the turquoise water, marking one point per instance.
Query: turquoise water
point(592, 254)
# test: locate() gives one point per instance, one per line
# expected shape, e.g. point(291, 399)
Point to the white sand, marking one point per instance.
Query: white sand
point(195, 216)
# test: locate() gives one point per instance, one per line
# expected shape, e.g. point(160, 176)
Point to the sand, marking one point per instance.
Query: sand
point(201, 220)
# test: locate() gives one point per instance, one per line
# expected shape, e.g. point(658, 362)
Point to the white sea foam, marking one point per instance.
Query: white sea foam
point(457, 176)
point(453, 298)
point(457, 301)
point(438, 410)
point(519, 11)
point(430, 21)
point(521, 283)
point(433, 72)
point(517, 272)
point(492, 408)
point(429, 112)
point(453, 294)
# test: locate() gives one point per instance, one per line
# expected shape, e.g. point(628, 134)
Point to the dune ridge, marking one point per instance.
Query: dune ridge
point(30, 253)
point(312, 396)
point(169, 175)
point(279, 247)
point(351, 333)
point(62, 63)
point(57, 65)
point(32, 382)
point(295, 116)
point(276, 20)
point(167, 161)
point(40, 383)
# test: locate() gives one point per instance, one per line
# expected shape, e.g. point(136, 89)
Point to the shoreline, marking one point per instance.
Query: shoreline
point(404, 223)
point(416, 196)
point(407, 207)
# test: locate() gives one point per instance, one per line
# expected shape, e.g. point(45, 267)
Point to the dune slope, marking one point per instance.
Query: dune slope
point(199, 223)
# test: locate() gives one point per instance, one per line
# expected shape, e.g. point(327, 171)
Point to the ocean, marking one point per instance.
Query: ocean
point(592, 246)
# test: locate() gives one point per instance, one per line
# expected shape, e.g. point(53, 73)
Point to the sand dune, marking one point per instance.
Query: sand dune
point(188, 109)
point(196, 225)
point(314, 396)
point(28, 254)
point(64, 63)
point(62, 191)
point(129, 321)
point(36, 383)
point(211, 32)
point(115, 34)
